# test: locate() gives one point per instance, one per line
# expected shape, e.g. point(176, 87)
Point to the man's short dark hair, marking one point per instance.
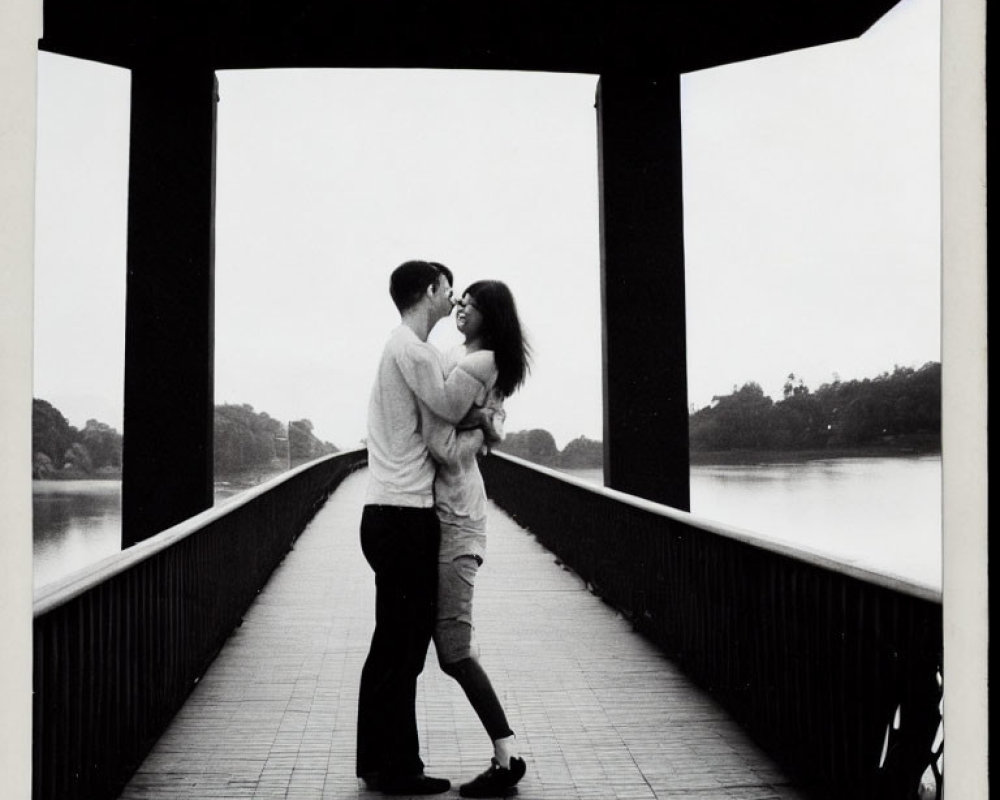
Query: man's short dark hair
point(409, 281)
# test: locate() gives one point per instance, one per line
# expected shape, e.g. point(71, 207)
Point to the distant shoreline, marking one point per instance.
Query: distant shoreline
point(899, 448)
point(242, 480)
point(68, 475)
point(741, 457)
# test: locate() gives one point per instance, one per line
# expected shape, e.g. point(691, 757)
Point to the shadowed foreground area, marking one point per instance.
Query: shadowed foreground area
point(598, 711)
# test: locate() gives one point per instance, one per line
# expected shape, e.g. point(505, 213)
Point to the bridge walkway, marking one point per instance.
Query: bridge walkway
point(599, 713)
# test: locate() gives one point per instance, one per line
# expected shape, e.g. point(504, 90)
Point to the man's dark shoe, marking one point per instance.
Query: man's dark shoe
point(413, 784)
point(496, 781)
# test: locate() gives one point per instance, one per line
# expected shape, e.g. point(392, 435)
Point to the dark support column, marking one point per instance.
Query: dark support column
point(642, 285)
point(169, 338)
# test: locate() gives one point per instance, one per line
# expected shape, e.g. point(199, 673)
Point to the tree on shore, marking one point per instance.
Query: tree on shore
point(51, 437)
point(535, 445)
point(103, 443)
point(59, 448)
point(303, 445)
point(247, 440)
point(582, 453)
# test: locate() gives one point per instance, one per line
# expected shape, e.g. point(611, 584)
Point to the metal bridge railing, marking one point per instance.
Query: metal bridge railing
point(120, 645)
point(834, 670)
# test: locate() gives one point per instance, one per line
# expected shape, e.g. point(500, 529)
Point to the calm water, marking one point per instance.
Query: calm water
point(882, 513)
point(79, 522)
point(75, 523)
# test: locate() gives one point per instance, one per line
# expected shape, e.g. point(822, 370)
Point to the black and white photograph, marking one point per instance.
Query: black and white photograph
point(541, 400)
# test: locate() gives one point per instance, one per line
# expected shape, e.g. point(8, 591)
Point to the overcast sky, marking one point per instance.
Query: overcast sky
point(811, 184)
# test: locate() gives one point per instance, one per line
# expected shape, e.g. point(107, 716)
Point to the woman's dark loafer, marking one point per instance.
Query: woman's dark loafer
point(497, 781)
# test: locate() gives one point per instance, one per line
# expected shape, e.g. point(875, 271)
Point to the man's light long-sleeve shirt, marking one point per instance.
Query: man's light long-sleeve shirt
point(401, 470)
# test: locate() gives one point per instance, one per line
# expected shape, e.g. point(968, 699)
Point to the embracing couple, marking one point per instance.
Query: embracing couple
point(423, 528)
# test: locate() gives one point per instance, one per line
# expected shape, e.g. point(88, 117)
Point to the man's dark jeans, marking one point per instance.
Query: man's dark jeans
point(401, 545)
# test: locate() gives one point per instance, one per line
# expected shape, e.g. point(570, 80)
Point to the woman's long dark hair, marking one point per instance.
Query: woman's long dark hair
point(501, 333)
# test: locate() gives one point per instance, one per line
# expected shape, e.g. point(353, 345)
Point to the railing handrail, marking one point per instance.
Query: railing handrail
point(884, 579)
point(60, 591)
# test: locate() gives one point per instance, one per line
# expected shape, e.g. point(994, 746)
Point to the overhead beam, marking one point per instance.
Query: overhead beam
point(585, 36)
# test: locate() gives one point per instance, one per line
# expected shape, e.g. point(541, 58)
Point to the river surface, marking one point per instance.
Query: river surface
point(79, 522)
point(881, 513)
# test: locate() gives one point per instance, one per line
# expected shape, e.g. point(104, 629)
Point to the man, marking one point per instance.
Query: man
point(400, 534)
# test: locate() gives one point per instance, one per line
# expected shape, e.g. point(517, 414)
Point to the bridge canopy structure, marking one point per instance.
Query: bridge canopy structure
point(588, 36)
point(638, 48)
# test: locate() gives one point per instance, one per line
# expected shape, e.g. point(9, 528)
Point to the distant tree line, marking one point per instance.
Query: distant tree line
point(901, 406)
point(249, 440)
point(539, 447)
point(60, 449)
point(899, 410)
point(245, 440)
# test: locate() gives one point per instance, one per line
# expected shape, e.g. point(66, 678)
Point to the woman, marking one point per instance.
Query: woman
point(496, 354)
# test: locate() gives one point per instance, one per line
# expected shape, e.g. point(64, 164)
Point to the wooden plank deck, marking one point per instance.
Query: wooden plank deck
point(599, 713)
